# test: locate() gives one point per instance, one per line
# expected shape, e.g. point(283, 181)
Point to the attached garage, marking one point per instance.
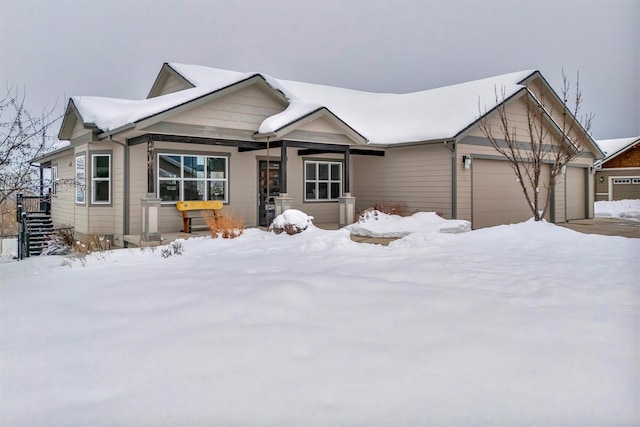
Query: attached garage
point(626, 188)
point(497, 197)
point(576, 191)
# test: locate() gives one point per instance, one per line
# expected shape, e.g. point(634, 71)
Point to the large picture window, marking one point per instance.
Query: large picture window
point(322, 180)
point(186, 177)
point(80, 179)
point(101, 178)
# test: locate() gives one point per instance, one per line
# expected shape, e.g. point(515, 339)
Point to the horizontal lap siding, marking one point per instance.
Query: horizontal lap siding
point(171, 84)
point(244, 109)
point(62, 205)
point(419, 176)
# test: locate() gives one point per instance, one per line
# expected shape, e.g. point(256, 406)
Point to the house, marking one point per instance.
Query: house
point(618, 174)
point(262, 144)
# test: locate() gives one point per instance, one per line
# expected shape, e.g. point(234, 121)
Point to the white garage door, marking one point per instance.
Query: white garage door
point(497, 197)
point(576, 193)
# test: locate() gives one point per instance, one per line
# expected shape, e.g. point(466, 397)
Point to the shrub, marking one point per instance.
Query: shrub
point(393, 208)
point(225, 226)
point(173, 248)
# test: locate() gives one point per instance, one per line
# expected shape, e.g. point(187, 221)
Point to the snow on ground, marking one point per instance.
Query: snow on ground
point(627, 209)
point(526, 323)
point(378, 224)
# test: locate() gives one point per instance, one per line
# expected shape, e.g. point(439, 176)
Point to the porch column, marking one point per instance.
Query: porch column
point(150, 219)
point(150, 173)
point(347, 154)
point(283, 168)
point(283, 202)
point(347, 209)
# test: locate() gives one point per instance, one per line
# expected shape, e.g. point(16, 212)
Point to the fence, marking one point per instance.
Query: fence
point(8, 248)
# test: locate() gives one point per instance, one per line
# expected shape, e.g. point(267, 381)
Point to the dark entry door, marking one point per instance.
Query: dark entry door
point(266, 203)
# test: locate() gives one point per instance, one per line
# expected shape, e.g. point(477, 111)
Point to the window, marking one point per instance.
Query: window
point(622, 181)
point(101, 178)
point(322, 180)
point(635, 180)
point(80, 179)
point(54, 180)
point(185, 177)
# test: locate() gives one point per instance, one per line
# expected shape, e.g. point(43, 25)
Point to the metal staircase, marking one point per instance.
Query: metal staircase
point(38, 227)
point(33, 214)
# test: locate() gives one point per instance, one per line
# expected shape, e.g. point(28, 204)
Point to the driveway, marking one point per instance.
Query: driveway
point(605, 226)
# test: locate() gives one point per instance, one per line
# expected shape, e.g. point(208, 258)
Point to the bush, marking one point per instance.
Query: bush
point(291, 221)
point(173, 248)
point(225, 226)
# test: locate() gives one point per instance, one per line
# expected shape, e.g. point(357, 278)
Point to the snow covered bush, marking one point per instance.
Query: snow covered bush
point(291, 221)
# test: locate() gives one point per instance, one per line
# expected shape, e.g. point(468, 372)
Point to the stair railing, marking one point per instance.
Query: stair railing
point(24, 206)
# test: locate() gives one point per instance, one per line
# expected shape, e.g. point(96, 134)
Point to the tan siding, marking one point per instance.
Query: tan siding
point(244, 109)
point(419, 176)
point(170, 85)
point(137, 185)
point(62, 205)
point(117, 194)
point(321, 124)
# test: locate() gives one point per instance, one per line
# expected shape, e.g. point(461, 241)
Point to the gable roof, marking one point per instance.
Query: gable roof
point(614, 147)
point(380, 118)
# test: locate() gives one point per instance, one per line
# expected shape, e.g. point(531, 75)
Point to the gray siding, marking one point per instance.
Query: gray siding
point(419, 176)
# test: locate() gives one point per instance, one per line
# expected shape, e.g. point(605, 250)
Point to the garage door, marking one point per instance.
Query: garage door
point(626, 188)
point(576, 193)
point(497, 197)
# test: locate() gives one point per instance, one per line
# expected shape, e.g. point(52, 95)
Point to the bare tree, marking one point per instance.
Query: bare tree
point(527, 153)
point(23, 137)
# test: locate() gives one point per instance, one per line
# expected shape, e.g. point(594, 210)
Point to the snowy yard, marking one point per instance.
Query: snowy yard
point(528, 323)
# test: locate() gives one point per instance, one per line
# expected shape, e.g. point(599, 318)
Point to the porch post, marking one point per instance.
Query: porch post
point(283, 201)
point(347, 202)
point(283, 168)
point(150, 219)
point(150, 173)
point(347, 154)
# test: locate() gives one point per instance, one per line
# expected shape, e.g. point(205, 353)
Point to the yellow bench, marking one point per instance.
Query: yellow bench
point(197, 205)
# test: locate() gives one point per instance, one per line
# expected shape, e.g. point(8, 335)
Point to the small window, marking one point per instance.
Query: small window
point(635, 180)
point(622, 180)
point(54, 180)
point(80, 179)
point(101, 178)
point(323, 180)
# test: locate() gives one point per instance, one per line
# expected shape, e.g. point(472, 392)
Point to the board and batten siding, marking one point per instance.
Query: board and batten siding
point(419, 176)
point(244, 109)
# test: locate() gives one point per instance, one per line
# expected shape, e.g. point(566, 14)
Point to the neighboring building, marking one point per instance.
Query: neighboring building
point(618, 174)
point(206, 133)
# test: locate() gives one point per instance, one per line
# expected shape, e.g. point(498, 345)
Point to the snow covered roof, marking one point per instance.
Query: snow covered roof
point(613, 147)
point(382, 118)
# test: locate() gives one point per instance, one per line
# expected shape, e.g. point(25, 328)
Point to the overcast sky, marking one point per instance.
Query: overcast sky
point(60, 48)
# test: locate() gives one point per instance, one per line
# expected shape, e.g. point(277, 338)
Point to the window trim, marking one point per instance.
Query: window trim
point(329, 181)
point(182, 179)
point(81, 180)
point(54, 180)
point(95, 179)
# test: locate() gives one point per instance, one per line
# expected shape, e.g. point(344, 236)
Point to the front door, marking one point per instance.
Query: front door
point(268, 190)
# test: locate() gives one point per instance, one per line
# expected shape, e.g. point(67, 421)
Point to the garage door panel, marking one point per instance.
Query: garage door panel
point(497, 196)
point(576, 193)
point(626, 188)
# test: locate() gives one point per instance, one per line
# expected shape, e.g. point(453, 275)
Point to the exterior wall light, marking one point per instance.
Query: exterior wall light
point(466, 161)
